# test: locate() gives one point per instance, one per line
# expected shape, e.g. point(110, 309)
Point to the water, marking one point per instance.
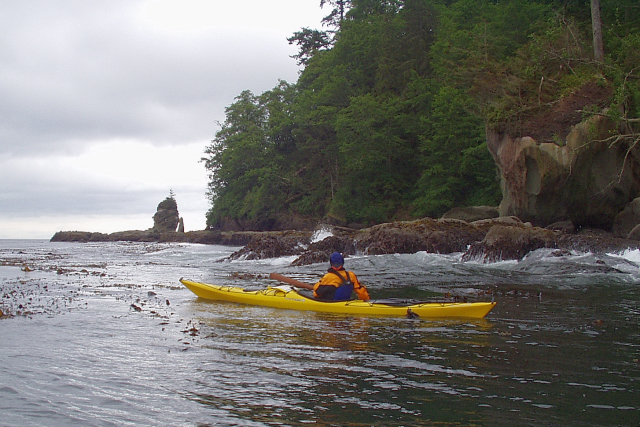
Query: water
point(104, 334)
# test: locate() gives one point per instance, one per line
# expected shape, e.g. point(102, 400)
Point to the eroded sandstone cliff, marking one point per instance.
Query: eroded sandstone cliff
point(585, 175)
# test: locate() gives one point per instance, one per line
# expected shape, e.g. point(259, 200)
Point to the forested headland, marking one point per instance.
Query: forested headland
point(389, 116)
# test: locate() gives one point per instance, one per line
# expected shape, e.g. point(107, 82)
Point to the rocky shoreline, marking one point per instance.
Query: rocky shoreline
point(230, 238)
point(487, 240)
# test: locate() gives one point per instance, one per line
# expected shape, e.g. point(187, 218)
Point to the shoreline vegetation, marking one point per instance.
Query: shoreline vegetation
point(485, 240)
point(407, 110)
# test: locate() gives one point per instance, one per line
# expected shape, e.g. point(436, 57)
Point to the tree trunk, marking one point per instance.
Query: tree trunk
point(596, 23)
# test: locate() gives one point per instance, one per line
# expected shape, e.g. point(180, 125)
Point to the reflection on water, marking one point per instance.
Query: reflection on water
point(103, 334)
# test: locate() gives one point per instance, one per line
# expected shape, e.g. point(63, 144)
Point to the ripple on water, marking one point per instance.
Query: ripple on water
point(561, 347)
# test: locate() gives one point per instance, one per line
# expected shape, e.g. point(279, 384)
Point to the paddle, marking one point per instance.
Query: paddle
point(289, 280)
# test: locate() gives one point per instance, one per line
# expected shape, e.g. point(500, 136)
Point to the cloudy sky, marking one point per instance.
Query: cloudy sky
point(107, 105)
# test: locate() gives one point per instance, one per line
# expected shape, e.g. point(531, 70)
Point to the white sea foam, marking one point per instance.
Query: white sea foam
point(321, 234)
point(632, 255)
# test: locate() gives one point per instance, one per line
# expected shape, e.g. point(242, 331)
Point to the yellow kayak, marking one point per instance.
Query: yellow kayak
point(288, 298)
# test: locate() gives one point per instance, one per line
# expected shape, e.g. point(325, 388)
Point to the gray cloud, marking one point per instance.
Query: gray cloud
point(102, 109)
point(74, 71)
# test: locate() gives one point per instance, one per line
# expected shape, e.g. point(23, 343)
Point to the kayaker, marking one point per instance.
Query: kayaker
point(338, 284)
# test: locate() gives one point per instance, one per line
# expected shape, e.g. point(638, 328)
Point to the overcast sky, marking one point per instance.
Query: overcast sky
point(107, 105)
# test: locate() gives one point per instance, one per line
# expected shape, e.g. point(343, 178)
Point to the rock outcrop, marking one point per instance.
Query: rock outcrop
point(472, 213)
point(507, 242)
point(586, 181)
point(166, 218)
point(556, 167)
point(490, 240)
point(322, 250)
point(430, 235)
point(268, 246)
point(627, 219)
point(205, 237)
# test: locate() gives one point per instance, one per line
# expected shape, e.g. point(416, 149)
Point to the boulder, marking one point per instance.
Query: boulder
point(318, 252)
point(564, 226)
point(427, 234)
point(627, 219)
point(268, 246)
point(634, 234)
point(472, 213)
point(509, 242)
point(485, 225)
point(395, 240)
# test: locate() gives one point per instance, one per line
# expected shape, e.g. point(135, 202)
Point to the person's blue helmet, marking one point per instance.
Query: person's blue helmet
point(336, 259)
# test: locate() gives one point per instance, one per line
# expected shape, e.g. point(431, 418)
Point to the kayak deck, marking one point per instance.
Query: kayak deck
point(287, 297)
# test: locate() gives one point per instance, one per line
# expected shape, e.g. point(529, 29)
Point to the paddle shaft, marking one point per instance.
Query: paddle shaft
point(289, 280)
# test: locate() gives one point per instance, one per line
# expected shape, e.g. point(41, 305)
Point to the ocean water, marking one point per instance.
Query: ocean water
point(104, 334)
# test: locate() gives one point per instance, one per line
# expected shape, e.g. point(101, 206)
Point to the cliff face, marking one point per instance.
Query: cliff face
point(581, 177)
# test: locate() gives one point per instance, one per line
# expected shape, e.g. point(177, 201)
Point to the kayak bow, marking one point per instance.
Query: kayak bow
point(287, 297)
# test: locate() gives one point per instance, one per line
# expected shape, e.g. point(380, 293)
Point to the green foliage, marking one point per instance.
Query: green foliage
point(247, 159)
point(378, 158)
point(626, 56)
point(387, 119)
point(309, 43)
point(457, 168)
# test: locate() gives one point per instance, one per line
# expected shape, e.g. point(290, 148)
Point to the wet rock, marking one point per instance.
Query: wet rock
point(510, 243)
point(268, 246)
point(564, 226)
point(634, 234)
point(472, 213)
point(627, 219)
point(595, 241)
point(394, 240)
point(485, 225)
point(561, 253)
point(436, 236)
point(319, 252)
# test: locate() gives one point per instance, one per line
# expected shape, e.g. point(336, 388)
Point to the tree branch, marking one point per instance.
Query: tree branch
point(624, 119)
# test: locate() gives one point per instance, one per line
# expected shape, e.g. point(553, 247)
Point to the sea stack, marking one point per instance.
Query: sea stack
point(166, 217)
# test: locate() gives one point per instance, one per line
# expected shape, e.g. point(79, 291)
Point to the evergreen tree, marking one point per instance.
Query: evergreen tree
point(387, 119)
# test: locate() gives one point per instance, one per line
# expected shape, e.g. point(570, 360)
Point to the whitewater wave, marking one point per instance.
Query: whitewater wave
point(321, 234)
point(631, 255)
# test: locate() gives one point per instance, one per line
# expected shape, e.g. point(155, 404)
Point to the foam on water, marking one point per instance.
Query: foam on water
point(632, 255)
point(321, 234)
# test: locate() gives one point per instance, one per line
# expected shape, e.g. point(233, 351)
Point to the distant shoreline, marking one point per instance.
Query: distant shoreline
point(224, 238)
